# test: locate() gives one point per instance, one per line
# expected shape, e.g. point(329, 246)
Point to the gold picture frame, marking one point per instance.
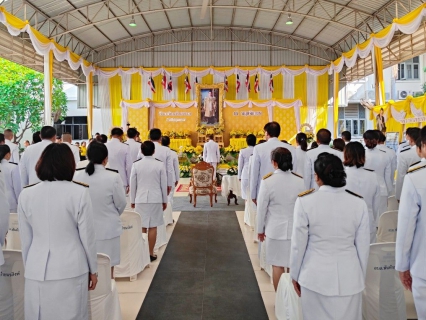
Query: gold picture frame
point(217, 92)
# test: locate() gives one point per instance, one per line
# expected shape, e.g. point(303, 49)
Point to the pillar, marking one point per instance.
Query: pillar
point(89, 103)
point(48, 88)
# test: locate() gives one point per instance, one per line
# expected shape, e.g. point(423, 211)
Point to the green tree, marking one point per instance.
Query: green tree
point(22, 98)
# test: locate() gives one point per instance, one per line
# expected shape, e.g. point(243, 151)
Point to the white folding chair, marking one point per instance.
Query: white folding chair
point(103, 301)
point(262, 259)
point(134, 252)
point(393, 204)
point(288, 305)
point(161, 236)
point(383, 296)
point(13, 239)
point(168, 216)
point(388, 223)
point(12, 286)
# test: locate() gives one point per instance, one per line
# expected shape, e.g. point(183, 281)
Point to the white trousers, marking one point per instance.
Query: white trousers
point(214, 164)
point(419, 294)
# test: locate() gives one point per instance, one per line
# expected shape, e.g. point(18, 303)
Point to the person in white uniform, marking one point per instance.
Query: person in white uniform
point(261, 162)
point(330, 245)
point(362, 181)
point(32, 154)
point(165, 141)
point(148, 192)
point(67, 139)
point(405, 144)
point(406, 158)
point(4, 215)
point(379, 162)
point(275, 207)
point(119, 156)
point(410, 254)
point(14, 148)
point(323, 139)
point(135, 146)
point(346, 136)
point(301, 148)
point(106, 192)
point(211, 153)
point(243, 161)
point(389, 152)
point(58, 240)
point(12, 178)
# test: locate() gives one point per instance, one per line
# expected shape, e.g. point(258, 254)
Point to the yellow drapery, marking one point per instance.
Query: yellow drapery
point(89, 90)
point(322, 102)
point(115, 99)
point(300, 87)
point(336, 103)
point(380, 84)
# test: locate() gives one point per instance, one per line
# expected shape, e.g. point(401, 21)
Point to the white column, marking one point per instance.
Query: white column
point(48, 73)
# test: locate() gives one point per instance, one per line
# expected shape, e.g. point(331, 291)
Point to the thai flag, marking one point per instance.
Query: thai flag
point(151, 83)
point(256, 84)
point(187, 85)
point(225, 81)
point(238, 83)
point(170, 85)
point(164, 81)
point(271, 84)
point(248, 80)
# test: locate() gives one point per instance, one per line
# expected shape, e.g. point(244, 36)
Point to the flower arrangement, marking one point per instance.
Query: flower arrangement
point(233, 133)
point(230, 149)
point(260, 134)
point(198, 149)
point(249, 132)
point(219, 129)
point(189, 151)
point(201, 129)
point(185, 170)
point(309, 137)
point(232, 171)
point(187, 134)
point(240, 133)
point(180, 135)
point(210, 131)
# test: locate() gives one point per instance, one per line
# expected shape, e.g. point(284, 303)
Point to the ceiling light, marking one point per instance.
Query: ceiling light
point(289, 20)
point(132, 22)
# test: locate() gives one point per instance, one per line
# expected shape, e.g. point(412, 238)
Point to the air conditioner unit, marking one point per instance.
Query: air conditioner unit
point(403, 94)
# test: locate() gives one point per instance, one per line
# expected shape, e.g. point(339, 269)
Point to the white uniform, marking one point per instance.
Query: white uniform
point(275, 208)
point(75, 151)
point(58, 249)
point(243, 161)
point(135, 147)
point(29, 160)
point(406, 159)
point(311, 157)
point(393, 159)
point(176, 171)
point(211, 154)
point(119, 159)
point(411, 237)
point(402, 146)
point(364, 182)
point(301, 160)
point(148, 190)
point(329, 253)
point(12, 181)
point(261, 162)
point(106, 192)
point(14, 151)
point(4, 214)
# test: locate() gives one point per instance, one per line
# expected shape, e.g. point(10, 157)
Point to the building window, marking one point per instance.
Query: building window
point(409, 70)
point(352, 119)
point(77, 126)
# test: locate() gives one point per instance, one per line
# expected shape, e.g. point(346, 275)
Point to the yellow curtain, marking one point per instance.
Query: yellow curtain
point(138, 118)
point(208, 79)
point(380, 84)
point(322, 102)
point(115, 99)
point(232, 90)
point(335, 103)
point(287, 121)
point(300, 86)
point(89, 102)
point(136, 87)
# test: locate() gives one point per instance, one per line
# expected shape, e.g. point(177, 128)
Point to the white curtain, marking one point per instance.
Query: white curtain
point(312, 99)
point(146, 90)
point(288, 86)
point(125, 86)
point(105, 104)
point(416, 112)
point(264, 93)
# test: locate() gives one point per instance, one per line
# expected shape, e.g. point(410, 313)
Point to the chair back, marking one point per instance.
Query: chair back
point(287, 303)
point(383, 296)
point(393, 204)
point(12, 285)
point(202, 175)
point(103, 286)
point(388, 223)
point(13, 238)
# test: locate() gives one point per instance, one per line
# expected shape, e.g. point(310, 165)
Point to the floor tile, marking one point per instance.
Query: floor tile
point(269, 300)
point(130, 304)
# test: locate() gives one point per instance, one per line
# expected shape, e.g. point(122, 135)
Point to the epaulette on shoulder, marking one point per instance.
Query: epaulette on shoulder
point(137, 160)
point(80, 169)
point(81, 184)
point(336, 149)
point(158, 160)
point(125, 143)
point(415, 163)
point(371, 170)
point(31, 185)
point(304, 193)
point(296, 175)
point(310, 149)
point(353, 193)
point(13, 163)
point(415, 169)
point(382, 150)
point(113, 170)
point(266, 176)
point(405, 150)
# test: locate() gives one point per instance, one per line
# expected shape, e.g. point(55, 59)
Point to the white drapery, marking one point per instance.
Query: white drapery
point(105, 104)
point(312, 99)
point(416, 112)
point(397, 115)
point(288, 86)
point(264, 93)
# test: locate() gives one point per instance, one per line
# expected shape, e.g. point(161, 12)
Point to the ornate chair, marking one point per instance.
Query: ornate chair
point(202, 182)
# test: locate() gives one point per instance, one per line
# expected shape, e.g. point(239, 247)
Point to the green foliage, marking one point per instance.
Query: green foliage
point(22, 98)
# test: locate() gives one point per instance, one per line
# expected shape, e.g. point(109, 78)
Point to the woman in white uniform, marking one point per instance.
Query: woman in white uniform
point(275, 206)
point(148, 192)
point(301, 148)
point(330, 245)
point(12, 178)
point(58, 239)
point(243, 160)
point(109, 199)
point(362, 181)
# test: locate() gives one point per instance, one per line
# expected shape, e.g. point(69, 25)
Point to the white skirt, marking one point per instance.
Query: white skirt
point(110, 247)
point(278, 252)
point(65, 299)
point(151, 214)
point(244, 188)
point(315, 306)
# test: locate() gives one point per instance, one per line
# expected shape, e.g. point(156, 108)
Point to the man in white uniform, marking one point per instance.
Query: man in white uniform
point(346, 136)
point(14, 149)
point(119, 156)
point(32, 155)
point(261, 158)
point(410, 253)
point(165, 141)
point(404, 145)
point(67, 139)
point(4, 215)
point(406, 158)
point(134, 145)
point(323, 140)
point(390, 153)
point(210, 108)
point(211, 153)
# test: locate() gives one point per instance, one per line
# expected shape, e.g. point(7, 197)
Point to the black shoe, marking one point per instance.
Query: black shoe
point(153, 258)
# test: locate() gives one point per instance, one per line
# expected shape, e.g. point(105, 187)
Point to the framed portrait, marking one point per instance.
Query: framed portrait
point(210, 104)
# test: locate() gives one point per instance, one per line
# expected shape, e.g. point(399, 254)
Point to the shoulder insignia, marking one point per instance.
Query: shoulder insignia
point(296, 175)
point(113, 170)
point(81, 184)
point(382, 150)
point(137, 160)
point(369, 170)
point(415, 169)
point(266, 176)
point(310, 149)
point(304, 193)
point(158, 160)
point(30, 185)
point(353, 193)
point(404, 150)
point(80, 169)
point(125, 143)
point(138, 142)
point(415, 163)
point(334, 148)
point(13, 163)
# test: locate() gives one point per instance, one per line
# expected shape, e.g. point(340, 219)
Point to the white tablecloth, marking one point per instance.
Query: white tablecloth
point(231, 183)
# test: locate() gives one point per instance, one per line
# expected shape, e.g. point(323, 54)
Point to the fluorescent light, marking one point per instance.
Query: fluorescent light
point(289, 20)
point(132, 22)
